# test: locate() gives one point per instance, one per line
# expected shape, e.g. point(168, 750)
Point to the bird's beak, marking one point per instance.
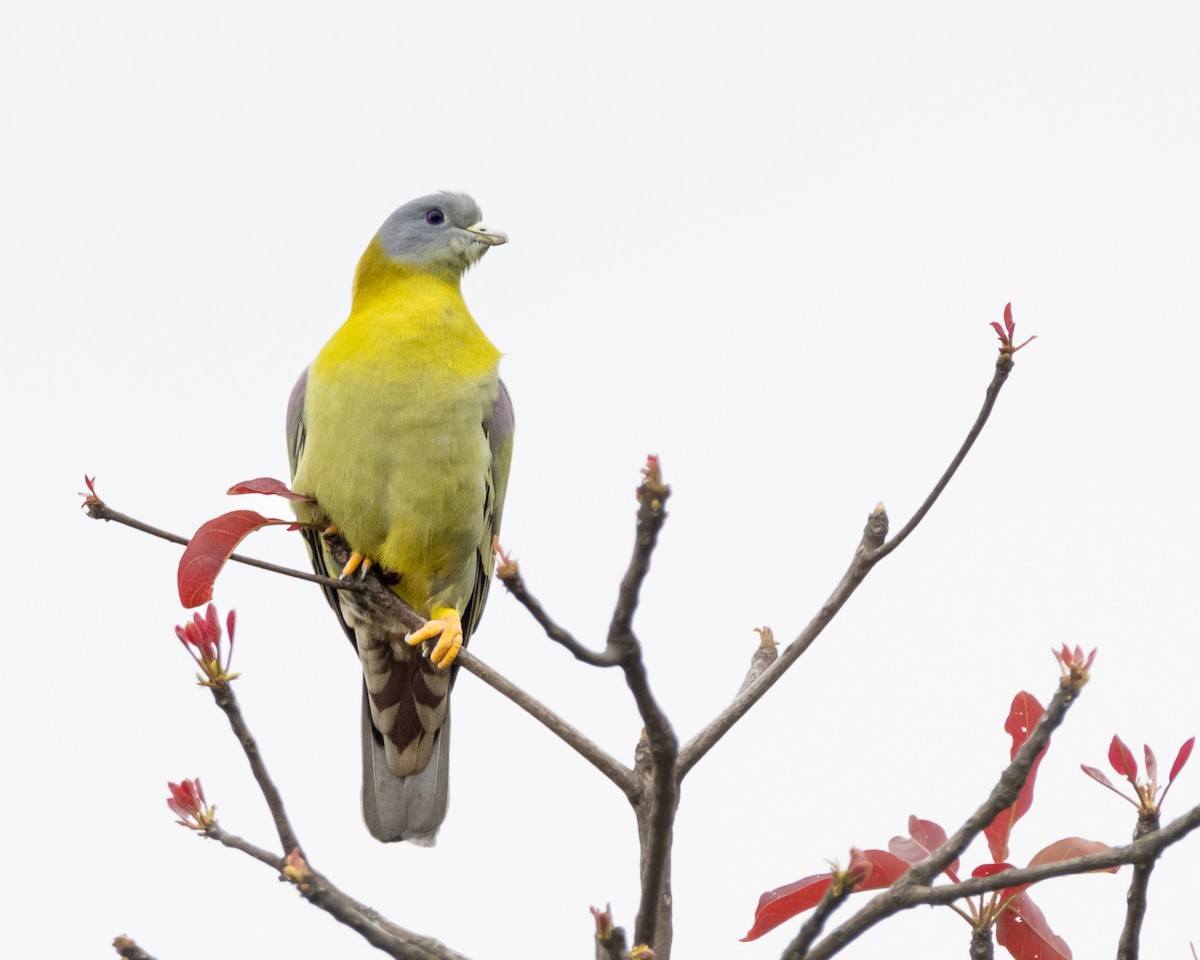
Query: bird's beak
point(493, 238)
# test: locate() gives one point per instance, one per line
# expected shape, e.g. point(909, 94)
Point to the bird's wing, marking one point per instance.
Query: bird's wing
point(498, 428)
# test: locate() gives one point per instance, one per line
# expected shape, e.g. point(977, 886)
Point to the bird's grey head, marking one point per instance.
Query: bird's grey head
point(443, 233)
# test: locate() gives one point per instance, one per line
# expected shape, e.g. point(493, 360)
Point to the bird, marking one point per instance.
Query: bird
point(400, 435)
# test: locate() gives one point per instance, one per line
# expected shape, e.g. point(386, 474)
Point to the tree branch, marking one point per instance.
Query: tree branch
point(225, 699)
point(706, 739)
point(871, 549)
point(126, 948)
point(1004, 366)
point(97, 509)
point(1135, 901)
point(616, 771)
point(1002, 796)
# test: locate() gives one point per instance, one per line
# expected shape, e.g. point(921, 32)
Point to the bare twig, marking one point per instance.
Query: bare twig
point(214, 831)
point(706, 739)
point(1135, 901)
point(97, 509)
point(616, 771)
point(510, 575)
point(227, 701)
point(1004, 365)
point(871, 549)
point(798, 948)
point(126, 948)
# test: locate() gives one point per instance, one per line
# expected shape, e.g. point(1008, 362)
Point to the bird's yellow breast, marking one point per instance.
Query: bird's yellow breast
point(395, 452)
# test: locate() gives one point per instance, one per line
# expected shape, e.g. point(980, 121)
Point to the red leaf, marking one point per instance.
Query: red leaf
point(1098, 776)
point(1181, 759)
point(270, 486)
point(990, 869)
point(886, 869)
point(1151, 764)
point(1023, 931)
point(1023, 716)
point(208, 550)
point(924, 836)
point(1121, 758)
point(1008, 314)
point(1069, 848)
point(781, 904)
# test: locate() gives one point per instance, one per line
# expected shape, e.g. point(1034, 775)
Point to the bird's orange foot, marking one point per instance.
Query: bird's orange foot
point(357, 561)
point(446, 625)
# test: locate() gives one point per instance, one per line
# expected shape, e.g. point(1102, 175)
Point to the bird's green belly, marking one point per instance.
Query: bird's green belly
point(403, 473)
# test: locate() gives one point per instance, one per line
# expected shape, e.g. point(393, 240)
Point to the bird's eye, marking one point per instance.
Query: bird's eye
point(435, 217)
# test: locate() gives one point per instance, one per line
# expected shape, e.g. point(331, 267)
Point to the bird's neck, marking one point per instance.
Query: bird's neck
point(404, 318)
point(379, 276)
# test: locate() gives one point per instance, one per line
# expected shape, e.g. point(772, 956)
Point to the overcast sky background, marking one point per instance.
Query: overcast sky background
point(762, 240)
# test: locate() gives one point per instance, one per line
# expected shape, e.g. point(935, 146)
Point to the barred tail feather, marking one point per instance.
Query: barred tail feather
point(403, 808)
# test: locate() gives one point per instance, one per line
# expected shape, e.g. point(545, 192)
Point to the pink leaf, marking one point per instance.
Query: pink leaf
point(208, 550)
point(1068, 849)
point(1151, 763)
point(270, 486)
point(1023, 716)
point(1181, 759)
point(1023, 931)
point(1098, 775)
point(990, 869)
point(1121, 758)
point(924, 837)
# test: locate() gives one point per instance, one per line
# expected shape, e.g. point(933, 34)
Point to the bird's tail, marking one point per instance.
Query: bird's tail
point(403, 808)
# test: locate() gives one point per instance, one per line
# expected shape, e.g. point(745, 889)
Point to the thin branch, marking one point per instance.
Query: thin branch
point(1002, 796)
point(381, 597)
point(510, 575)
point(393, 940)
point(383, 934)
point(1143, 849)
point(97, 509)
point(871, 549)
point(214, 831)
point(1135, 900)
point(126, 948)
point(227, 701)
point(1004, 365)
point(798, 948)
point(860, 566)
point(616, 771)
point(663, 745)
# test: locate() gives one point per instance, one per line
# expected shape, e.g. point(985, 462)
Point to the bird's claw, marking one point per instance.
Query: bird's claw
point(357, 562)
point(446, 625)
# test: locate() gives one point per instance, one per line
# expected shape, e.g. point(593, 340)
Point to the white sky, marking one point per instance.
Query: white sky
point(763, 240)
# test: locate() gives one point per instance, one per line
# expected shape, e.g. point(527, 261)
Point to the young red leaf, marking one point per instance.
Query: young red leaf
point(1121, 758)
point(1023, 716)
point(1181, 759)
point(781, 904)
point(1023, 931)
point(886, 869)
point(1008, 320)
point(208, 550)
point(1069, 848)
point(990, 869)
point(1099, 776)
point(924, 836)
point(1151, 763)
point(270, 486)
